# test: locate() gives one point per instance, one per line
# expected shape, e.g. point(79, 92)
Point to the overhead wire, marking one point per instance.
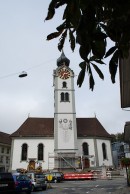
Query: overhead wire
point(30, 68)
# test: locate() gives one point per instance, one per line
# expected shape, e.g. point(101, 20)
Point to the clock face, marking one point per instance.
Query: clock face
point(64, 73)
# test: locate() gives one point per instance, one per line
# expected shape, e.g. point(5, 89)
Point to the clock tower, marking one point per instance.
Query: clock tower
point(65, 128)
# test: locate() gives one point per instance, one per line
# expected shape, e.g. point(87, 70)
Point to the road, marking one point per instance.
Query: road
point(114, 186)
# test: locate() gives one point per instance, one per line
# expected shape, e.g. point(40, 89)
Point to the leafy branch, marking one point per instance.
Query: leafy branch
point(90, 24)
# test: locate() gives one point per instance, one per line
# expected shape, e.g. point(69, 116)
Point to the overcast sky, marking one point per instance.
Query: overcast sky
point(23, 47)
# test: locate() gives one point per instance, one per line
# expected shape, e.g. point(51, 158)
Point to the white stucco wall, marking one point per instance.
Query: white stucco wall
point(109, 161)
point(99, 142)
point(90, 143)
point(32, 151)
point(49, 149)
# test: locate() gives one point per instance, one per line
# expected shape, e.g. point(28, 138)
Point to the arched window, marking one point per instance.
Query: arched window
point(62, 96)
point(24, 152)
point(104, 151)
point(40, 151)
point(64, 85)
point(66, 96)
point(85, 148)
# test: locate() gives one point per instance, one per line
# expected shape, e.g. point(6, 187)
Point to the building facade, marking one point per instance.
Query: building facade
point(5, 150)
point(65, 141)
point(120, 150)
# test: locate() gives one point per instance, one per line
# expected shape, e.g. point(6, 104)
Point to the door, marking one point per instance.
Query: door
point(31, 165)
point(86, 163)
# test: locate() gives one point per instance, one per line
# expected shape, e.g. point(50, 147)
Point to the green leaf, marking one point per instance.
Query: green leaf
point(53, 35)
point(91, 80)
point(99, 61)
point(72, 13)
point(94, 58)
point(61, 27)
point(81, 77)
point(62, 40)
point(51, 10)
point(99, 36)
point(99, 48)
point(110, 51)
point(84, 51)
point(50, 14)
point(98, 71)
point(71, 40)
point(113, 64)
point(115, 57)
point(83, 65)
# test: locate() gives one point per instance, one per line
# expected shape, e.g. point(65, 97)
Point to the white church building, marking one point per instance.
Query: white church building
point(63, 142)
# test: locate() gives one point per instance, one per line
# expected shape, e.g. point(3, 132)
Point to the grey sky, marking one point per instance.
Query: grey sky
point(23, 47)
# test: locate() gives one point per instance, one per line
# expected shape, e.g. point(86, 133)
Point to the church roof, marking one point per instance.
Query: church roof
point(90, 127)
point(44, 127)
point(5, 138)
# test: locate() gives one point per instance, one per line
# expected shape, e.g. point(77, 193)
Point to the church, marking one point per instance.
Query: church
point(64, 142)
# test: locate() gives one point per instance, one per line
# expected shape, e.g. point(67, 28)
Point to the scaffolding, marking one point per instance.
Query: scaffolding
point(66, 161)
point(63, 161)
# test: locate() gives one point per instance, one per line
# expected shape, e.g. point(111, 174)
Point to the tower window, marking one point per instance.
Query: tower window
point(85, 149)
point(64, 97)
point(104, 151)
point(64, 85)
point(40, 151)
point(24, 152)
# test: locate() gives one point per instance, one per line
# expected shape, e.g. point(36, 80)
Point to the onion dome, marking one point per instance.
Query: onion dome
point(63, 60)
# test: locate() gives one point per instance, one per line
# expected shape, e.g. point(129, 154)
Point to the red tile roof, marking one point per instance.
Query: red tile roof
point(44, 127)
point(90, 127)
point(36, 127)
point(5, 138)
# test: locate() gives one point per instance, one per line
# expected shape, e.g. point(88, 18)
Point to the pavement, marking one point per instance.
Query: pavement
point(125, 190)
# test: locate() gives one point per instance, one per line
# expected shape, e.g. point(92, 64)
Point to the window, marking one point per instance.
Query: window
point(40, 151)
point(1, 159)
point(64, 97)
point(104, 151)
point(64, 85)
point(7, 160)
point(7, 150)
point(24, 152)
point(85, 149)
point(2, 150)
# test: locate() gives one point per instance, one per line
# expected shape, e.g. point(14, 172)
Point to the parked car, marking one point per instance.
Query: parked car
point(7, 184)
point(55, 176)
point(22, 183)
point(38, 180)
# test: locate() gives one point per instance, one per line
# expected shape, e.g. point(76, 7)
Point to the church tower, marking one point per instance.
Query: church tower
point(65, 128)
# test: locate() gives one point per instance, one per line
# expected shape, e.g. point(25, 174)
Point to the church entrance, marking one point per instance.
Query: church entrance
point(31, 165)
point(86, 163)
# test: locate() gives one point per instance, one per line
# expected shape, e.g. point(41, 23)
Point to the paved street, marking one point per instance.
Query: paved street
point(114, 186)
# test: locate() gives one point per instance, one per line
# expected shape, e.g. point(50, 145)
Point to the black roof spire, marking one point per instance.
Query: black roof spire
point(63, 60)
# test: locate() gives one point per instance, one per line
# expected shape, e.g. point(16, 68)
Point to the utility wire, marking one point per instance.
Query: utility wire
point(28, 69)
